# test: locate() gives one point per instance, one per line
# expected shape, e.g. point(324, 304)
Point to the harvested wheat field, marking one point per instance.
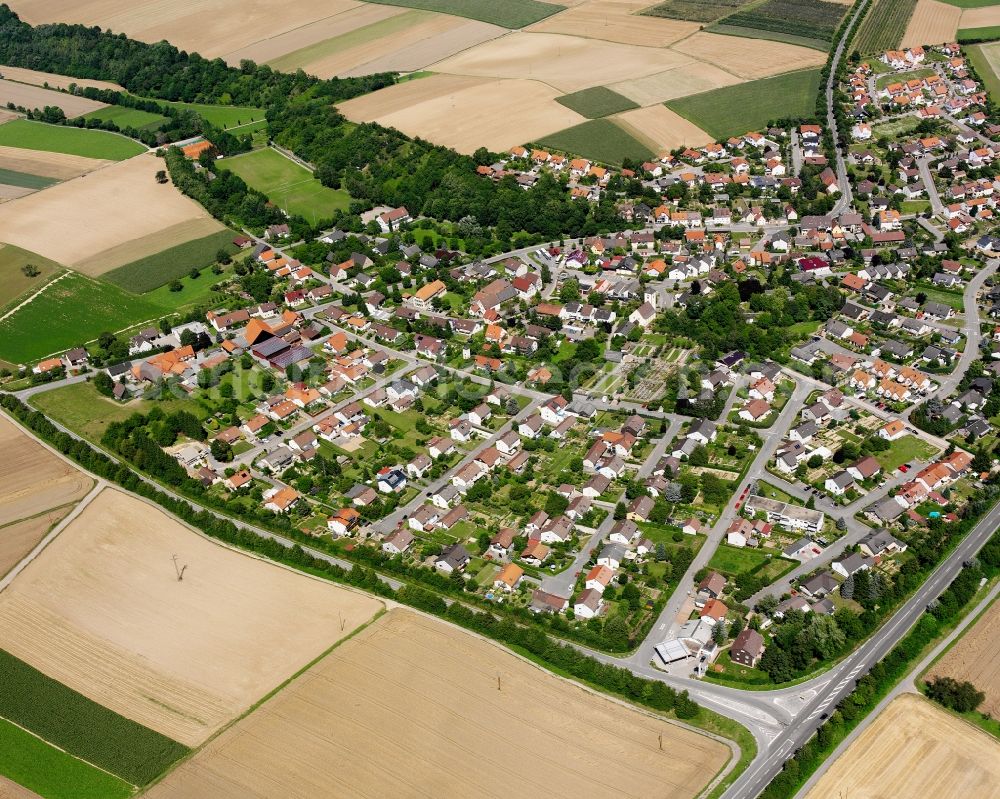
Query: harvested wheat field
point(212, 29)
point(616, 21)
point(31, 97)
point(11, 790)
point(58, 166)
point(918, 751)
point(568, 63)
point(36, 78)
point(19, 538)
point(424, 694)
point(466, 112)
point(661, 129)
point(932, 23)
point(75, 221)
point(681, 81)
point(419, 54)
point(985, 17)
point(101, 610)
point(8, 192)
point(32, 479)
point(975, 658)
point(749, 58)
point(359, 15)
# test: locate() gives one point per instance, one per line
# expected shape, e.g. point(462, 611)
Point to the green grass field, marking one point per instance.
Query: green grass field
point(733, 560)
point(901, 77)
point(987, 34)
point(82, 727)
point(75, 310)
point(125, 117)
point(13, 282)
point(508, 14)
point(160, 268)
point(985, 58)
point(222, 116)
point(288, 185)
point(734, 110)
point(289, 62)
point(84, 411)
point(904, 450)
point(51, 773)
point(26, 180)
point(599, 140)
point(75, 141)
point(596, 102)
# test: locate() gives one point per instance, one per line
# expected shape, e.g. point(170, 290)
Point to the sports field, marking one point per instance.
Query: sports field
point(289, 186)
point(74, 141)
point(914, 750)
point(102, 611)
point(425, 693)
point(734, 110)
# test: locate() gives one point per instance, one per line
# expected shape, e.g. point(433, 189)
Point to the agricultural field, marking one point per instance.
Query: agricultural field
point(125, 117)
point(287, 184)
point(884, 25)
point(37, 768)
point(32, 97)
point(24, 180)
point(52, 80)
point(69, 312)
point(749, 58)
point(599, 140)
point(810, 23)
point(978, 34)
point(914, 749)
point(975, 658)
point(17, 539)
point(32, 479)
point(102, 611)
point(13, 281)
point(986, 60)
point(660, 129)
point(932, 22)
point(509, 13)
point(596, 102)
point(223, 116)
point(427, 692)
point(981, 17)
point(173, 263)
point(49, 165)
point(695, 10)
point(404, 42)
point(750, 106)
point(495, 115)
point(73, 141)
point(113, 217)
point(617, 21)
point(678, 82)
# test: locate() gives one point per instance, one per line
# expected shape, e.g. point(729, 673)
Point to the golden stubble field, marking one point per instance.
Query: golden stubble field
point(101, 610)
point(932, 23)
point(59, 166)
point(661, 129)
point(976, 658)
point(985, 17)
point(616, 21)
point(409, 707)
point(31, 97)
point(36, 78)
point(86, 223)
point(917, 751)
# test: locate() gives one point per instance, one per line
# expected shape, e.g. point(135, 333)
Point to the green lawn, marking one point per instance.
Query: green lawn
point(26, 180)
point(289, 186)
point(75, 141)
point(507, 14)
point(13, 282)
point(734, 110)
point(67, 314)
point(904, 450)
point(125, 117)
point(160, 268)
point(597, 101)
point(734, 560)
point(986, 60)
point(50, 772)
point(83, 410)
point(770, 491)
point(194, 291)
point(901, 77)
point(987, 34)
point(954, 299)
point(304, 56)
point(599, 140)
